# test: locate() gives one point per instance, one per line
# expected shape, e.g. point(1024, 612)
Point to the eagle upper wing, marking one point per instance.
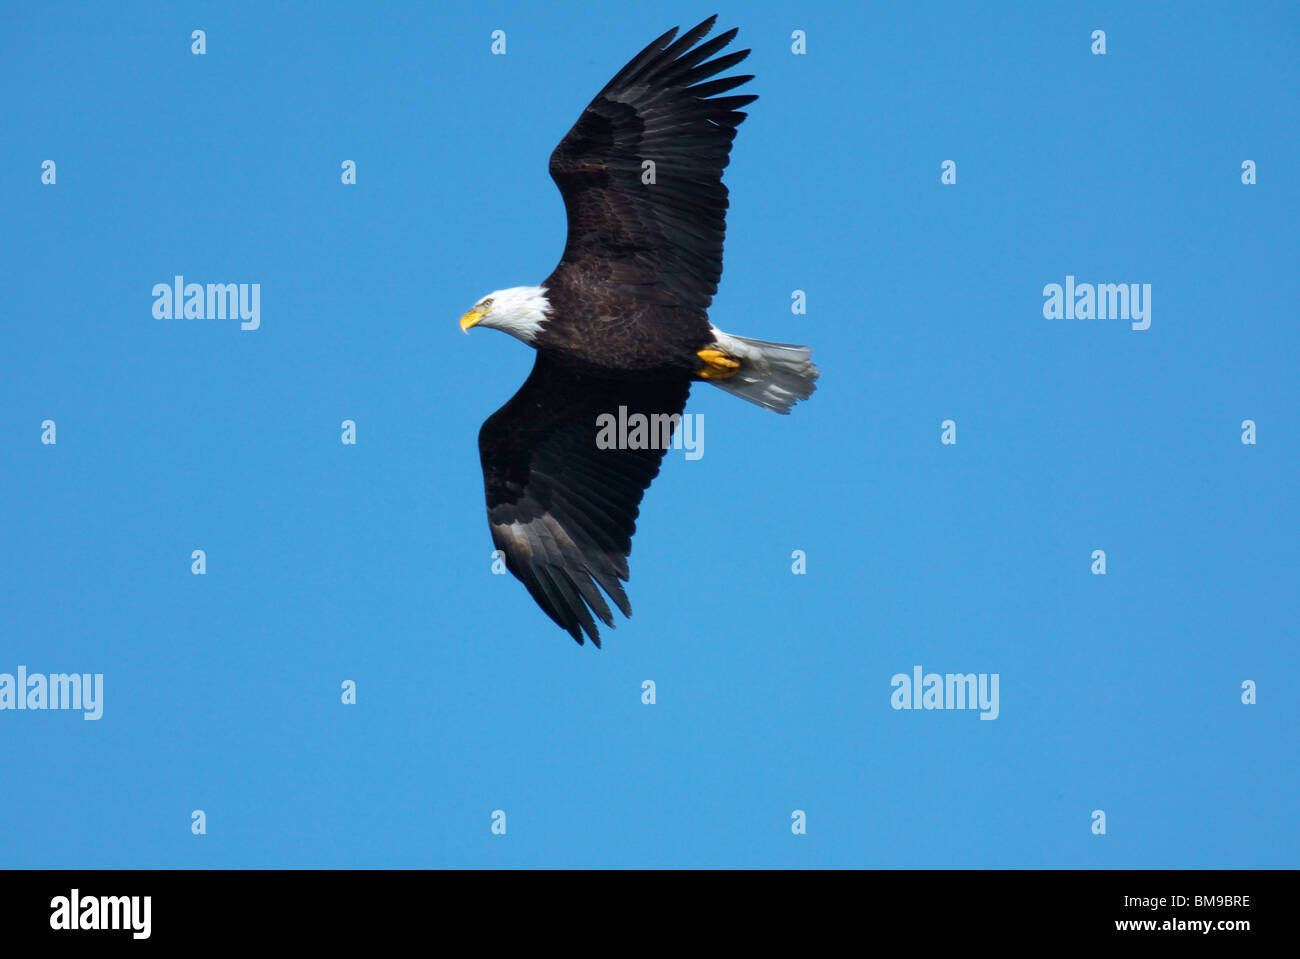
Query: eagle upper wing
point(562, 509)
point(660, 241)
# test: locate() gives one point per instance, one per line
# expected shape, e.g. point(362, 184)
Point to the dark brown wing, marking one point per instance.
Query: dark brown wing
point(562, 509)
point(661, 241)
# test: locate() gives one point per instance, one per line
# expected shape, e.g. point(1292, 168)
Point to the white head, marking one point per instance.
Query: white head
point(519, 311)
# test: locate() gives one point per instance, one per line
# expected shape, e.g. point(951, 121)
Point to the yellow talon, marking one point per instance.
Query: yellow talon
point(717, 365)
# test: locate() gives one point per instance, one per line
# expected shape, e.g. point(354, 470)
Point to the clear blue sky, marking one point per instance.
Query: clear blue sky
point(371, 562)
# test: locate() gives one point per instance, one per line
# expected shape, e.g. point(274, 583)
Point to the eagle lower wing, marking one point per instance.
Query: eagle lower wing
point(562, 509)
point(661, 241)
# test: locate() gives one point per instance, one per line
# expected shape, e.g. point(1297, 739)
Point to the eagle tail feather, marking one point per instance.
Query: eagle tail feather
point(775, 376)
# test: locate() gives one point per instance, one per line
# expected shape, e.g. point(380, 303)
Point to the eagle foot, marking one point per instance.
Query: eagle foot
point(717, 365)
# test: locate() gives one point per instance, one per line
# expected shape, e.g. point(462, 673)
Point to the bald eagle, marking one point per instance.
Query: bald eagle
point(621, 325)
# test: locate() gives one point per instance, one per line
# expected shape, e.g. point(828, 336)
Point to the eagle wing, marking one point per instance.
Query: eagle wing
point(658, 241)
point(562, 509)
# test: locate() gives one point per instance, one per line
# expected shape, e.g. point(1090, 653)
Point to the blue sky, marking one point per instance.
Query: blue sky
point(371, 562)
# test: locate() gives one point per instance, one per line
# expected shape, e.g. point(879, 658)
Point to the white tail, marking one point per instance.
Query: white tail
point(773, 375)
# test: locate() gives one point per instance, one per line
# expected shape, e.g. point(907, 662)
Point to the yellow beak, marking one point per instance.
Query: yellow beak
point(471, 319)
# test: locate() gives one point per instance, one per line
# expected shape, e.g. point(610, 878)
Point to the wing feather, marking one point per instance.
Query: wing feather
point(561, 509)
point(661, 241)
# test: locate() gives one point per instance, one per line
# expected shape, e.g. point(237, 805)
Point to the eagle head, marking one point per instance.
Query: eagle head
point(520, 311)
